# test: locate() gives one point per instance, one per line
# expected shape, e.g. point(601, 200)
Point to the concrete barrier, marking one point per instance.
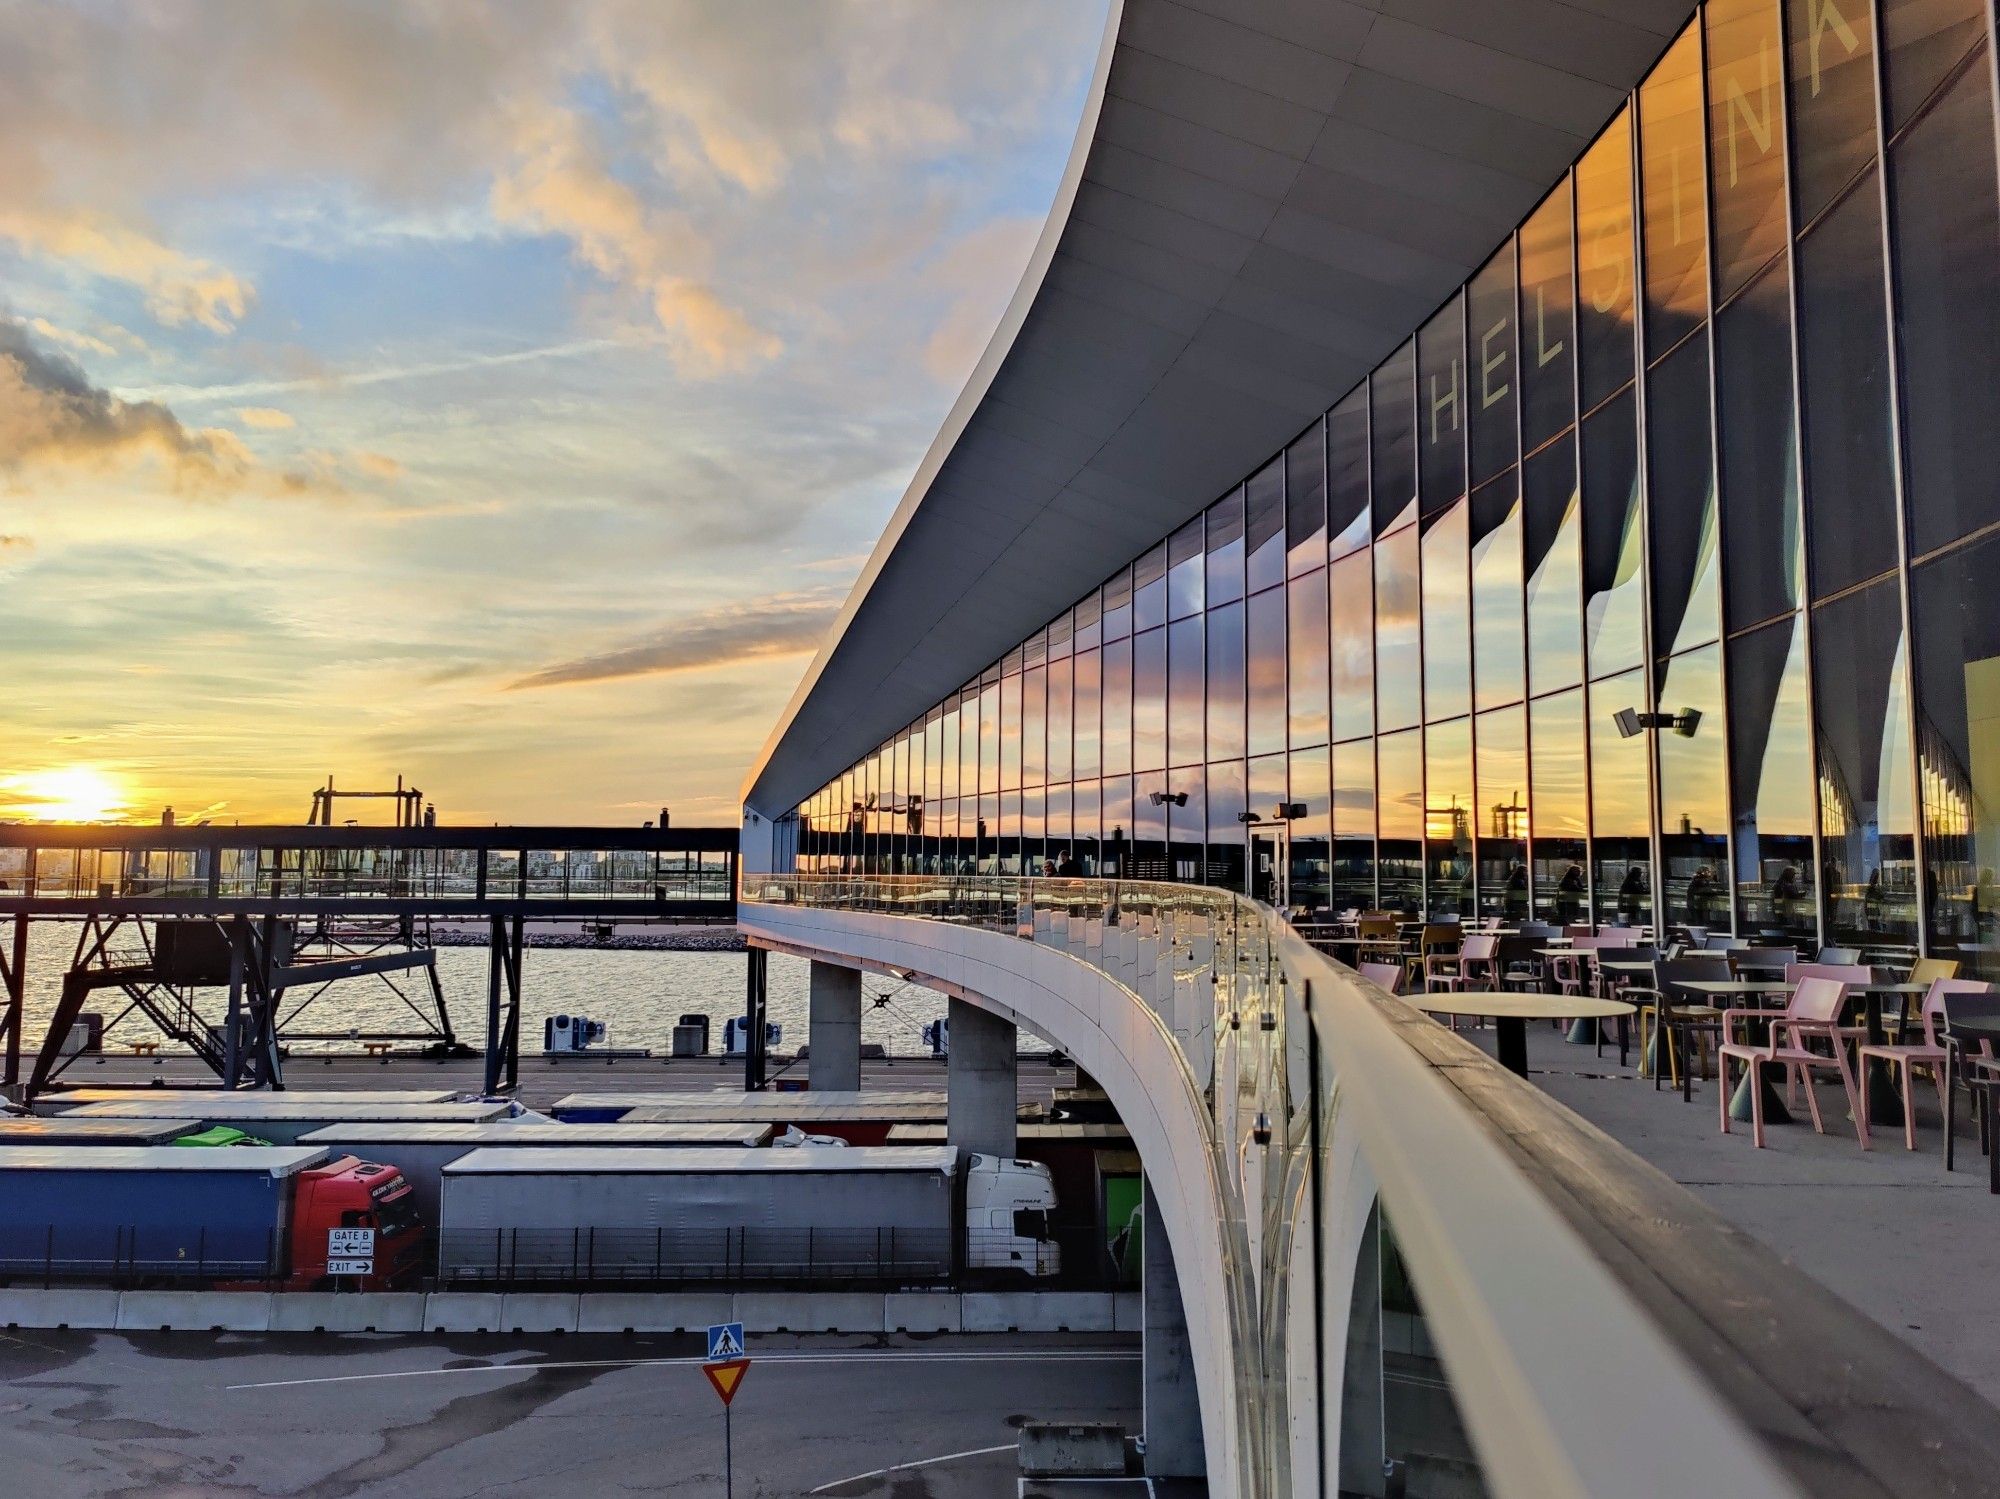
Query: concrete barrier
point(652, 1311)
point(328, 1311)
point(568, 1311)
point(538, 1311)
point(462, 1311)
point(188, 1311)
point(922, 1311)
point(1128, 1311)
point(1038, 1311)
point(79, 1307)
point(809, 1311)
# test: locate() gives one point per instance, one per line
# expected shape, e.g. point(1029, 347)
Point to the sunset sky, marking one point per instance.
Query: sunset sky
point(500, 396)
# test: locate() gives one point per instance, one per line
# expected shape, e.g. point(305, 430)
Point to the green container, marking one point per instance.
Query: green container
point(219, 1135)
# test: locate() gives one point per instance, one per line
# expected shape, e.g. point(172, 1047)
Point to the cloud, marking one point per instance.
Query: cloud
point(16, 544)
point(51, 413)
point(978, 273)
point(178, 288)
point(784, 625)
point(265, 418)
point(378, 465)
point(560, 185)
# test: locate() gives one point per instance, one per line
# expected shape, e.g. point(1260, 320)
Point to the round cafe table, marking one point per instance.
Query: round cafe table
point(1511, 1011)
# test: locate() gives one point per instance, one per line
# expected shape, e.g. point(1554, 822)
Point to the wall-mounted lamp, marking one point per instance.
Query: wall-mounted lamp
point(1167, 798)
point(1631, 723)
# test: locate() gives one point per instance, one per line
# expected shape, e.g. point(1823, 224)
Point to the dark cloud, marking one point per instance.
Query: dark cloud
point(787, 625)
point(50, 410)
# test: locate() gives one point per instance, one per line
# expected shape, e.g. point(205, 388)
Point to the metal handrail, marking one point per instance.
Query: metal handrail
point(1777, 1384)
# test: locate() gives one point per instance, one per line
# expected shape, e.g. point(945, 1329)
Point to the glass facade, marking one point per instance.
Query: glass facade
point(1713, 434)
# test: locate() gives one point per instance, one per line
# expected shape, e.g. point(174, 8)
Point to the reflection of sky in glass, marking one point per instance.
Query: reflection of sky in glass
point(1401, 793)
point(1351, 596)
point(1560, 794)
point(1502, 762)
point(1693, 772)
point(1496, 610)
point(1447, 617)
point(1618, 766)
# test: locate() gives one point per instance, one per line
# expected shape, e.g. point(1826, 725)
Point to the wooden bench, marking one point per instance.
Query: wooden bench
point(379, 1050)
point(145, 1049)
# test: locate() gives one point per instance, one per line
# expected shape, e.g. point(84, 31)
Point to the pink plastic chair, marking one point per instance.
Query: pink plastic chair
point(1385, 975)
point(1472, 963)
point(1840, 973)
point(1814, 1011)
point(1929, 1052)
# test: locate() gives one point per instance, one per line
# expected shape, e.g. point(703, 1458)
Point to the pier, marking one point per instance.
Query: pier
point(269, 910)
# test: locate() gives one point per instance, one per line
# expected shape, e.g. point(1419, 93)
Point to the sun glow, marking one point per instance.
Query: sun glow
point(72, 793)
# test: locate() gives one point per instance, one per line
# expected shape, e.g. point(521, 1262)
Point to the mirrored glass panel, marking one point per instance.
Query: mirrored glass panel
point(1746, 124)
point(1400, 815)
point(1348, 514)
point(1687, 602)
point(1305, 502)
point(1264, 526)
point(1956, 612)
point(1184, 570)
point(1492, 377)
point(1547, 296)
point(1351, 598)
point(1393, 438)
point(1118, 707)
point(1832, 98)
point(1620, 803)
point(1225, 549)
point(1673, 211)
point(1553, 559)
point(1450, 814)
point(1306, 649)
point(1559, 802)
point(1866, 785)
point(1185, 701)
point(1226, 687)
point(1694, 792)
point(1441, 407)
point(1149, 589)
point(1772, 783)
point(1149, 700)
point(1763, 546)
point(1614, 546)
point(1399, 661)
point(1447, 633)
point(1604, 253)
point(1500, 754)
point(1266, 679)
point(1499, 664)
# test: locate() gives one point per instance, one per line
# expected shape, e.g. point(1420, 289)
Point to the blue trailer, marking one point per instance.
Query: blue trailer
point(69, 1130)
point(110, 1212)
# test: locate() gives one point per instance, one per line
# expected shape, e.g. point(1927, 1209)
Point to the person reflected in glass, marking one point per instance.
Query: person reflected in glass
point(1701, 896)
point(1066, 867)
point(1632, 894)
point(1515, 903)
point(1570, 891)
point(1785, 896)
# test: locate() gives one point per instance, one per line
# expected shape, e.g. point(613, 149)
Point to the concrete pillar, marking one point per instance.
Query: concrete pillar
point(982, 1097)
point(1174, 1447)
point(834, 1028)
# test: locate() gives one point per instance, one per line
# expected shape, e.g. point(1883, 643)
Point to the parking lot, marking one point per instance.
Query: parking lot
point(204, 1416)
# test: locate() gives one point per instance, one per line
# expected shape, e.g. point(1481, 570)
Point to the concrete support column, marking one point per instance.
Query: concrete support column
point(1174, 1446)
point(982, 1098)
point(834, 1028)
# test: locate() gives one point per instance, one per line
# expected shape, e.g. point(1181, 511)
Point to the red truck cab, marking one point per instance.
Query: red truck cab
point(352, 1193)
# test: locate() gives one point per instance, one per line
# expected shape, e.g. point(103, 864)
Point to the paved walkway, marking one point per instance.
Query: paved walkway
point(1914, 1248)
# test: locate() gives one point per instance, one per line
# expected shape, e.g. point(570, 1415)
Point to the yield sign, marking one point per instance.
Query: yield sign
point(727, 1376)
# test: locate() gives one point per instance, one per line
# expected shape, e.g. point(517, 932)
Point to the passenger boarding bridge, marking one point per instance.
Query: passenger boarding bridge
point(165, 911)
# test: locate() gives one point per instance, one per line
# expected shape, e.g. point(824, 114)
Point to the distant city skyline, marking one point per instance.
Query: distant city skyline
point(501, 397)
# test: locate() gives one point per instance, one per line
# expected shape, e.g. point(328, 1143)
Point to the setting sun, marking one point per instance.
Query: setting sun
point(73, 793)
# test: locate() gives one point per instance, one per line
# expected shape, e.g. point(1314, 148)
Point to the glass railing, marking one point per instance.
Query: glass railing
point(1203, 963)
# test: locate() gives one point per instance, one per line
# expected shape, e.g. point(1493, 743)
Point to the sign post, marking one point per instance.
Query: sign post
point(725, 1369)
point(350, 1251)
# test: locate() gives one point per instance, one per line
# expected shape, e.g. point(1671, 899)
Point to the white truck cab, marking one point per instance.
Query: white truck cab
point(1007, 1207)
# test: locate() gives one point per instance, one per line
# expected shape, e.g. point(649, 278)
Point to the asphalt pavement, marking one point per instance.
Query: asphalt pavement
point(222, 1416)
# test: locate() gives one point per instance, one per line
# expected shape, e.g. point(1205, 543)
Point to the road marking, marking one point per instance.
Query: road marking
point(922, 1462)
point(1070, 1356)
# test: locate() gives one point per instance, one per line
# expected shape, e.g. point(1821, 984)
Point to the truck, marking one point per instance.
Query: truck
point(64, 1100)
point(159, 1215)
point(283, 1118)
point(859, 1118)
point(868, 1214)
point(68, 1130)
point(422, 1150)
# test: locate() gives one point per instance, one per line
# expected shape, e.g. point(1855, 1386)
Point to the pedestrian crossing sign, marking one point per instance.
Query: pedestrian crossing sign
point(725, 1341)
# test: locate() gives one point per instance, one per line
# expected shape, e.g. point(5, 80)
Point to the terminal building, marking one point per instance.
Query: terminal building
point(1303, 480)
point(1503, 460)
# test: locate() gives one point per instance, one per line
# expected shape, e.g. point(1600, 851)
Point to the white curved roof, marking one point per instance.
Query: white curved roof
point(1266, 197)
